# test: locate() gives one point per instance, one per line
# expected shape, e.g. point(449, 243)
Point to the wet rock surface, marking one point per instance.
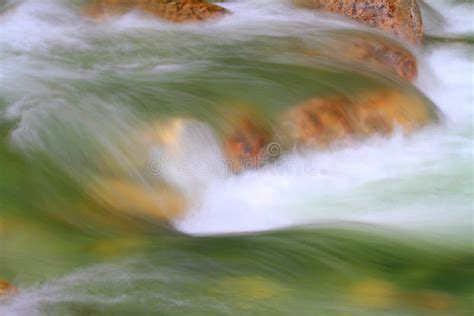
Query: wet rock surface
point(171, 10)
point(401, 18)
point(356, 48)
point(320, 122)
point(379, 54)
point(159, 201)
point(244, 135)
point(7, 289)
point(384, 55)
point(332, 121)
point(245, 145)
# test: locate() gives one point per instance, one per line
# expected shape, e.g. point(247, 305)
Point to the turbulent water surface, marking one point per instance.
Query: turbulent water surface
point(383, 227)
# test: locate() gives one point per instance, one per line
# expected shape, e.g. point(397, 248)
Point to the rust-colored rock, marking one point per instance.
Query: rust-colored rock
point(364, 48)
point(134, 198)
point(7, 289)
point(374, 293)
point(383, 111)
point(245, 144)
point(158, 170)
point(399, 17)
point(326, 122)
point(390, 57)
point(320, 122)
point(172, 10)
point(375, 52)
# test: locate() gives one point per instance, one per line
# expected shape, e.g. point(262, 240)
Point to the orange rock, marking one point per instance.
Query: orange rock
point(7, 289)
point(399, 17)
point(374, 293)
point(434, 301)
point(382, 111)
point(327, 122)
point(370, 50)
point(320, 122)
point(376, 52)
point(383, 55)
point(245, 145)
point(172, 10)
point(363, 48)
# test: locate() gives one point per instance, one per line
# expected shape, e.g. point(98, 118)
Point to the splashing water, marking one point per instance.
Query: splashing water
point(381, 227)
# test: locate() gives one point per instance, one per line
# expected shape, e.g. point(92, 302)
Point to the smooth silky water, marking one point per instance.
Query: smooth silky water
point(383, 227)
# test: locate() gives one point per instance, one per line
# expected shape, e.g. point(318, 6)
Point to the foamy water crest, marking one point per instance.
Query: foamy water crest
point(372, 183)
point(341, 186)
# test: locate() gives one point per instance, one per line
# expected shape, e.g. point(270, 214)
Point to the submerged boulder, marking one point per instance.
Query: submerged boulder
point(325, 123)
point(320, 122)
point(383, 55)
point(401, 18)
point(7, 289)
point(172, 10)
point(386, 110)
point(374, 52)
point(328, 122)
point(370, 51)
point(374, 293)
point(163, 169)
point(245, 137)
point(245, 145)
point(158, 201)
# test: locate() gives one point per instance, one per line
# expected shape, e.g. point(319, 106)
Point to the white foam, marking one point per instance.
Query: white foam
point(38, 25)
point(373, 183)
point(458, 16)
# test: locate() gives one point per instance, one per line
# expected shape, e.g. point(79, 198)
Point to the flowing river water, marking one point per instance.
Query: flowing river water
point(383, 227)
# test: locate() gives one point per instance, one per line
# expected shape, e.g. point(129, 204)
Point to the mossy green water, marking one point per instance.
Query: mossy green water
point(74, 92)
